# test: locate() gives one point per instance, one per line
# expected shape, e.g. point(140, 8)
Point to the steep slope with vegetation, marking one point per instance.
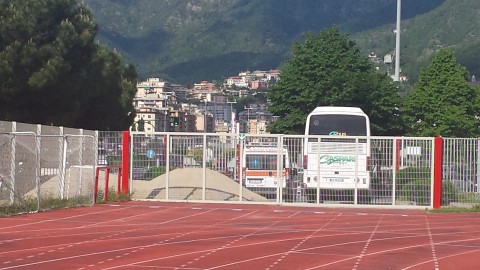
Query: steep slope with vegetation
point(452, 25)
point(187, 41)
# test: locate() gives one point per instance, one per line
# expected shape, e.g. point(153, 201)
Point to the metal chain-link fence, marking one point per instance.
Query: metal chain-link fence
point(39, 172)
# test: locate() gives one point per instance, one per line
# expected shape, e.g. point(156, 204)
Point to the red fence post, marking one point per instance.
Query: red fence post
point(95, 189)
point(105, 191)
point(437, 173)
point(125, 162)
point(119, 180)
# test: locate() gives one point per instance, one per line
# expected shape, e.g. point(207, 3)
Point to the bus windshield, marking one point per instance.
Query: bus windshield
point(339, 124)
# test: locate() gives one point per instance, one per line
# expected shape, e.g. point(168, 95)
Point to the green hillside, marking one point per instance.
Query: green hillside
point(190, 40)
point(454, 25)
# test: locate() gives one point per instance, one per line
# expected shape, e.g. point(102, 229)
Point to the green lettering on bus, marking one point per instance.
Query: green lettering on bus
point(327, 159)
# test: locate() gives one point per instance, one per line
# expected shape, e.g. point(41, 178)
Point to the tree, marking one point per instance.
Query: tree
point(53, 72)
point(442, 103)
point(328, 70)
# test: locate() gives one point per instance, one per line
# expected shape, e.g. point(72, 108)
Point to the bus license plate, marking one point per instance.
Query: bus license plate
point(255, 181)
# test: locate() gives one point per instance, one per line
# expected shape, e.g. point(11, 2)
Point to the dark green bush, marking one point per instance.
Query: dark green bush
point(410, 174)
point(449, 192)
point(417, 190)
point(413, 184)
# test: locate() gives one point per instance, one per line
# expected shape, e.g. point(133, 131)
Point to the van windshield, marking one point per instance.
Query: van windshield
point(262, 162)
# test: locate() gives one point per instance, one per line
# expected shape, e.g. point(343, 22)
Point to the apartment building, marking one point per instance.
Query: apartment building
point(152, 120)
point(205, 122)
point(153, 87)
point(237, 81)
point(181, 92)
point(156, 104)
point(254, 120)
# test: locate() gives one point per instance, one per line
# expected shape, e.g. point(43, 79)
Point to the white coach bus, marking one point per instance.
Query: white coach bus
point(337, 148)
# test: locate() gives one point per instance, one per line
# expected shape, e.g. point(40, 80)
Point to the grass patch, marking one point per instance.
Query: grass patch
point(31, 205)
point(469, 197)
point(7, 210)
point(112, 197)
point(56, 203)
point(457, 209)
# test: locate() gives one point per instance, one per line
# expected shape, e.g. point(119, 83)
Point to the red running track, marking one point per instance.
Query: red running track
point(154, 235)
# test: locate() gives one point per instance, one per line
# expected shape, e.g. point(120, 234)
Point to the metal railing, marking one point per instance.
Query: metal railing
point(43, 162)
point(211, 167)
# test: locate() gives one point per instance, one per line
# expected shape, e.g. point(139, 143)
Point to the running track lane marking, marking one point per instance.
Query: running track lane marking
point(177, 236)
point(198, 252)
point(84, 255)
point(80, 243)
point(364, 250)
point(92, 240)
point(155, 244)
point(122, 218)
point(432, 245)
point(234, 240)
point(301, 242)
point(64, 218)
point(445, 257)
point(89, 254)
point(397, 249)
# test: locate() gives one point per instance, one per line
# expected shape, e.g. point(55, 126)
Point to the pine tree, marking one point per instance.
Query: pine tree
point(52, 71)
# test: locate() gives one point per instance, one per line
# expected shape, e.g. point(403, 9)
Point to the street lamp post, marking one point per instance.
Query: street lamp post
point(248, 117)
point(397, 43)
point(165, 98)
point(231, 113)
point(205, 117)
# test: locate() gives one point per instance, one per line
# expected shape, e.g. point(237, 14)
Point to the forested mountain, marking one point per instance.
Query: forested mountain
point(190, 40)
point(454, 24)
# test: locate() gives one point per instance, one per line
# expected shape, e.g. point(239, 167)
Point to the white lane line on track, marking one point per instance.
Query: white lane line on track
point(121, 219)
point(301, 243)
point(166, 240)
point(93, 240)
point(58, 219)
point(432, 244)
point(364, 250)
point(444, 257)
point(389, 250)
point(230, 264)
point(277, 254)
point(134, 251)
point(237, 238)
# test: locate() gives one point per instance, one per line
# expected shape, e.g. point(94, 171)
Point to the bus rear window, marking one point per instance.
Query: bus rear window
point(340, 125)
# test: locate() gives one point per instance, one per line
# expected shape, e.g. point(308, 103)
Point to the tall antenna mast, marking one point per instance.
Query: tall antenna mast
point(397, 45)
